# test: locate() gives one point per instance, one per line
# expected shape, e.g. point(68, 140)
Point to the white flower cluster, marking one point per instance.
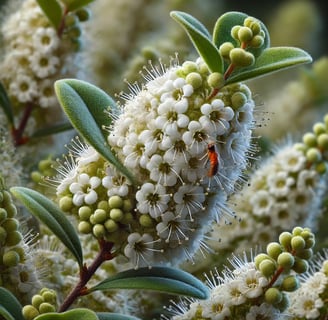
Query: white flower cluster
point(282, 191)
point(186, 153)
point(234, 294)
point(310, 300)
point(33, 57)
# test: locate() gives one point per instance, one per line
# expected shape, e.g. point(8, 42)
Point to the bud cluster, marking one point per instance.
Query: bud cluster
point(43, 302)
point(249, 35)
point(283, 261)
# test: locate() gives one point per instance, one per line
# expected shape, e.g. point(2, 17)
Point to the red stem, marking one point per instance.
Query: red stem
point(18, 133)
point(86, 273)
point(61, 27)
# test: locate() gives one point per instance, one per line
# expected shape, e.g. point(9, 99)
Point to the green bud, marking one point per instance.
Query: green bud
point(111, 225)
point(241, 58)
point(300, 265)
point(310, 139)
point(267, 268)
point(325, 267)
point(45, 164)
point(256, 42)
point(297, 243)
point(29, 312)
point(115, 202)
point(255, 26)
point(146, 221)
point(3, 214)
point(11, 210)
point(10, 224)
point(66, 203)
point(313, 155)
point(13, 238)
point(100, 216)
point(46, 307)
point(74, 31)
point(297, 231)
point(290, 283)
point(234, 32)
point(238, 99)
point(286, 260)
point(259, 258)
point(274, 249)
point(10, 259)
point(285, 239)
point(273, 296)
point(116, 214)
point(7, 199)
point(321, 167)
point(189, 66)
point(3, 235)
point(309, 243)
point(99, 230)
point(71, 20)
point(37, 299)
point(36, 176)
point(49, 296)
point(84, 227)
point(103, 205)
point(84, 213)
point(20, 251)
point(305, 254)
point(306, 234)
point(127, 218)
point(127, 205)
point(83, 14)
point(225, 49)
point(319, 128)
point(215, 80)
point(300, 147)
point(323, 140)
point(194, 79)
point(283, 304)
point(245, 34)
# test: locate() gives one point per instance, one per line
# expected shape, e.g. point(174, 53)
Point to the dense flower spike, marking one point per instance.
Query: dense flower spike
point(187, 150)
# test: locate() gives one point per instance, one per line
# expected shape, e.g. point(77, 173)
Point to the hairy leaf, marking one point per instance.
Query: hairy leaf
point(5, 104)
point(85, 106)
point(201, 39)
point(52, 10)
point(10, 305)
point(114, 316)
point(164, 279)
point(271, 60)
point(74, 314)
point(52, 217)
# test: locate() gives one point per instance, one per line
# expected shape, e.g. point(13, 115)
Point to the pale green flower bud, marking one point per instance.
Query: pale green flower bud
point(29, 312)
point(146, 221)
point(83, 14)
point(259, 258)
point(273, 295)
point(10, 259)
point(46, 307)
point(290, 283)
point(127, 205)
point(103, 205)
point(274, 249)
point(234, 32)
point(310, 139)
point(3, 214)
point(84, 213)
point(300, 265)
point(297, 243)
point(297, 231)
point(323, 140)
point(305, 254)
point(256, 42)
point(215, 80)
point(225, 49)
point(84, 227)
point(245, 34)
point(238, 99)
point(313, 155)
point(116, 214)
point(13, 238)
point(100, 216)
point(111, 225)
point(195, 79)
point(241, 58)
point(66, 203)
point(267, 268)
point(286, 260)
point(115, 202)
point(98, 230)
point(37, 299)
point(10, 224)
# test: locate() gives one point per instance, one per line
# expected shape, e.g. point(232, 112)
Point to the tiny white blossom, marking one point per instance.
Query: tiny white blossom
point(43, 64)
point(45, 39)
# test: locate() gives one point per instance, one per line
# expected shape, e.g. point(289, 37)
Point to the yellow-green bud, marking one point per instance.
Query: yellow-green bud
point(3, 235)
point(325, 267)
point(215, 80)
point(238, 99)
point(127, 205)
point(297, 231)
point(225, 49)
point(11, 210)
point(146, 221)
point(10, 259)
point(66, 203)
point(189, 66)
point(319, 128)
point(321, 167)
point(241, 58)
point(111, 225)
point(71, 20)
point(313, 155)
point(3, 214)
point(6, 198)
point(20, 251)
point(46, 307)
point(116, 214)
point(83, 14)
point(127, 218)
point(310, 139)
point(306, 234)
point(300, 265)
point(274, 249)
point(37, 299)
point(297, 243)
point(84, 227)
point(45, 164)
point(115, 202)
point(84, 213)
point(99, 216)
point(283, 304)
point(285, 239)
point(323, 140)
point(267, 268)
point(29, 312)
point(103, 205)
point(286, 260)
point(98, 230)
point(234, 32)
point(273, 296)
point(259, 258)
point(36, 176)
point(74, 31)
point(305, 254)
point(49, 296)
point(194, 79)
point(245, 34)
point(309, 243)
point(10, 224)
point(300, 147)
point(256, 42)
point(255, 26)
point(13, 238)
point(290, 283)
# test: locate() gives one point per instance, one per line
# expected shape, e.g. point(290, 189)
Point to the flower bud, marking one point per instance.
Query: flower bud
point(111, 225)
point(29, 312)
point(3, 214)
point(46, 307)
point(290, 283)
point(10, 224)
point(310, 139)
point(66, 203)
point(11, 210)
point(286, 260)
point(259, 258)
point(37, 299)
point(245, 34)
point(10, 259)
point(285, 239)
point(297, 243)
point(238, 99)
point(215, 80)
point(297, 231)
point(115, 202)
point(84, 227)
point(116, 214)
point(146, 221)
point(84, 213)
point(194, 79)
point(241, 58)
point(100, 216)
point(256, 42)
point(267, 268)
point(98, 230)
point(300, 265)
point(234, 32)
point(83, 14)
point(274, 249)
point(49, 296)
point(313, 155)
point(13, 238)
point(225, 49)
point(273, 296)
point(305, 254)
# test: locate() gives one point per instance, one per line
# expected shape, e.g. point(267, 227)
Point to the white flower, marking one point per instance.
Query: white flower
point(264, 311)
point(307, 305)
point(216, 308)
point(282, 215)
point(24, 88)
point(233, 293)
point(316, 283)
point(291, 160)
point(307, 179)
point(152, 199)
point(262, 202)
point(279, 183)
point(44, 64)
point(195, 138)
point(45, 39)
point(115, 183)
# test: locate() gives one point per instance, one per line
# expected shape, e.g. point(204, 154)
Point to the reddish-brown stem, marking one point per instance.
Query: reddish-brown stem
point(86, 273)
point(18, 133)
point(279, 271)
point(61, 27)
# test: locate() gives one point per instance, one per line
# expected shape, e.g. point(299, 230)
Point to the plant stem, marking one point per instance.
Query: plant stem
point(18, 133)
point(86, 273)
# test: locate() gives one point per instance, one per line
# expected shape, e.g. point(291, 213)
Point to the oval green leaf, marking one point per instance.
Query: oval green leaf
point(52, 10)
point(73, 5)
point(57, 128)
point(224, 24)
point(114, 316)
point(85, 106)
point(164, 279)
point(10, 305)
point(5, 104)
point(52, 217)
point(75, 314)
point(201, 40)
point(271, 60)
point(4, 314)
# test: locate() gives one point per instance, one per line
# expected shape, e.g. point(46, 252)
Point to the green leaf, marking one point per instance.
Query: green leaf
point(9, 303)
point(271, 60)
point(4, 314)
point(201, 39)
point(52, 217)
point(5, 104)
point(73, 5)
point(224, 24)
point(114, 316)
point(52, 10)
point(85, 106)
point(164, 279)
point(57, 128)
point(78, 313)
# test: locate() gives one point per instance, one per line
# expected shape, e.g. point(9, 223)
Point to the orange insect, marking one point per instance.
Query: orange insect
point(213, 158)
